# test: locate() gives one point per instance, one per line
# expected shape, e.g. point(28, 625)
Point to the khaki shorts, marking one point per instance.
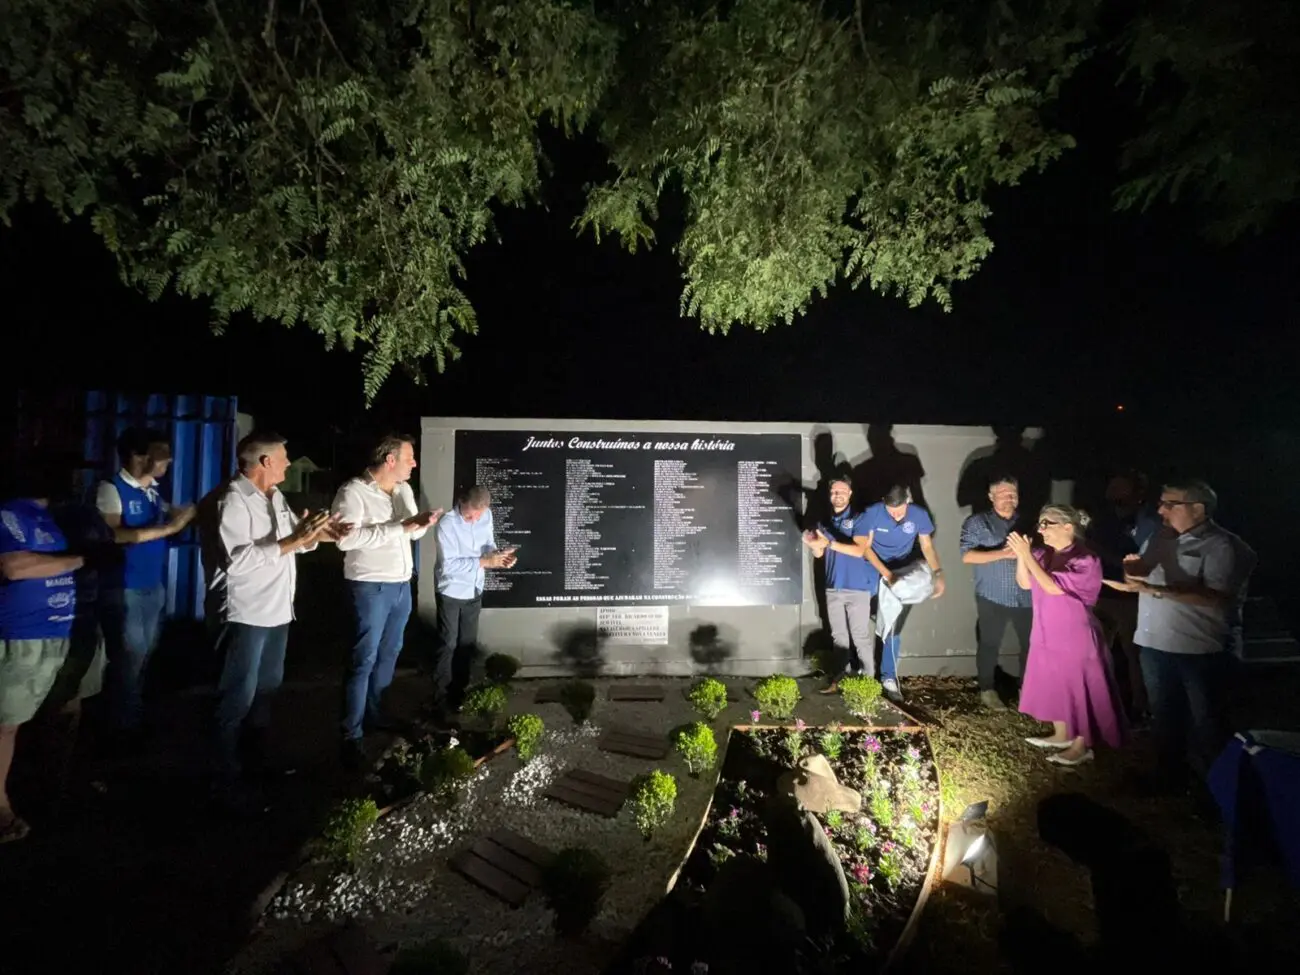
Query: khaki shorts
point(48, 673)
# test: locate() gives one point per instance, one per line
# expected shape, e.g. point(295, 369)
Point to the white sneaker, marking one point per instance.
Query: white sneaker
point(890, 687)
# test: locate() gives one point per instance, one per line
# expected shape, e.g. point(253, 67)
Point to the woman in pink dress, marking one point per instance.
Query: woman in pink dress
point(1068, 680)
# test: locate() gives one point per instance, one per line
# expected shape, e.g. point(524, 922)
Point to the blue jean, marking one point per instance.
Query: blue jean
point(890, 648)
point(252, 671)
point(132, 621)
point(381, 610)
point(1188, 699)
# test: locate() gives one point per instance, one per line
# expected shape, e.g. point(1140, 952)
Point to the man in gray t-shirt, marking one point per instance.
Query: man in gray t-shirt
point(1190, 578)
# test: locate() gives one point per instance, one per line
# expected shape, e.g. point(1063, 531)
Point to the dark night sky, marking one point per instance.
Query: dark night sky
point(1077, 310)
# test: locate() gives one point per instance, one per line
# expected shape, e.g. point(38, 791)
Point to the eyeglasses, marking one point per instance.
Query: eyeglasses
point(1044, 523)
point(1175, 504)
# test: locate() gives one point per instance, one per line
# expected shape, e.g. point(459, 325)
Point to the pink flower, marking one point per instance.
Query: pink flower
point(755, 715)
point(862, 873)
point(886, 847)
point(799, 724)
point(734, 813)
point(871, 743)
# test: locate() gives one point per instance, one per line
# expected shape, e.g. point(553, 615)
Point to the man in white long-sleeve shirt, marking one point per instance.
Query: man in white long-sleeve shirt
point(381, 507)
point(251, 571)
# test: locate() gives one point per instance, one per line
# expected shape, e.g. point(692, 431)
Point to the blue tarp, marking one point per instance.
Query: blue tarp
point(1256, 781)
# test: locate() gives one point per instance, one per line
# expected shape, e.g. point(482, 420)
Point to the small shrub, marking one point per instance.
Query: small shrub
point(654, 797)
point(709, 697)
point(861, 695)
point(697, 746)
point(577, 697)
point(526, 729)
point(777, 696)
point(346, 830)
point(500, 668)
point(832, 743)
point(574, 883)
point(445, 772)
point(882, 809)
point(486, 700)
point(437, 957)
point(792, 742)
point(834, 819)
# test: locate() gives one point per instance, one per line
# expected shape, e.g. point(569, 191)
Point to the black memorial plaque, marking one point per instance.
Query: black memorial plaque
point(638, 518)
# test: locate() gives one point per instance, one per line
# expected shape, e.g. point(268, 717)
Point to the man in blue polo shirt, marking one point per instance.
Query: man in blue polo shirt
point(134, 596)
point(37, 609)
point(895, 527)
point(851, 582)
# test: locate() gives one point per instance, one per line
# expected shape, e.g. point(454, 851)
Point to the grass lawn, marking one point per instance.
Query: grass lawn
point(984, 756)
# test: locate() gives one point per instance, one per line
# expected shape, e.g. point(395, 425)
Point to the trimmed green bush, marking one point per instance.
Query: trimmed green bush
point(487, 700)
point(861, 695)
point(500, 668)
point(697, 746)
point(445, 772)
point(526, 730)
point(709, 697)
point(777, 696)
point(577, 697)
point(574, 883)
point(654, 798)
point(347, 828)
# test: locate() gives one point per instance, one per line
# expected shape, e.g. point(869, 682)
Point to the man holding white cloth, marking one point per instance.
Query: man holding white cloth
point(896, 528)
point(378, 566)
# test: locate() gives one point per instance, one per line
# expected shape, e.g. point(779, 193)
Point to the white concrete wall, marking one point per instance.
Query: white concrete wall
point(938, 637)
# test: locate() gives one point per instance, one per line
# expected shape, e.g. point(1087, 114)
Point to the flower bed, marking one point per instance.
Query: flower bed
point(886, 850)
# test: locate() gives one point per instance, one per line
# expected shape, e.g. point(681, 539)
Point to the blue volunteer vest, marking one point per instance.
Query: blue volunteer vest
point(34, 609)
point(143, 565)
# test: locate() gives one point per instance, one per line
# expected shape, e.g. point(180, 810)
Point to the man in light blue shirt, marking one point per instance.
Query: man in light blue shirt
point(466, 550)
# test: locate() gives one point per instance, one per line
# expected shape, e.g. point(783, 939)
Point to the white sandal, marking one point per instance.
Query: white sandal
point(1048, 743)
point(1069, 762)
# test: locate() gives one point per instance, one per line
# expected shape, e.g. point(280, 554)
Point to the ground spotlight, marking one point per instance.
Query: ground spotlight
point(970, 858)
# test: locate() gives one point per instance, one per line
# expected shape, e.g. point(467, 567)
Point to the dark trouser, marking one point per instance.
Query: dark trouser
point(381, 610)
point(454, 652)
point(1118, 614)
point(1189, 695)
point(132, 621)
point(992, 622)
point(253, 670)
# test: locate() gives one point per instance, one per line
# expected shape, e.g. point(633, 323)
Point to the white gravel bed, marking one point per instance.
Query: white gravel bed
point(403, 891)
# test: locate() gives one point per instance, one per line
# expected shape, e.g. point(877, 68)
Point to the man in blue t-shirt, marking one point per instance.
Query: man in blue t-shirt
point(37, 609)
point(850, 582)
point(895, 528)
point(134, 596)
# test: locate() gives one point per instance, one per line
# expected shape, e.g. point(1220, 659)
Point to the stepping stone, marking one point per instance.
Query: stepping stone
point(505, 864)
point(589, 792)
point(638, 744)
point(636, 692)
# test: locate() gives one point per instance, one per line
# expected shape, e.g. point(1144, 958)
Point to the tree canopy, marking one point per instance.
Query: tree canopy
point(330, 164)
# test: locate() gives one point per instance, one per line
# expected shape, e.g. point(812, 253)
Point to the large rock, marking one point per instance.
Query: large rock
point(814, 786)
point(807, 866)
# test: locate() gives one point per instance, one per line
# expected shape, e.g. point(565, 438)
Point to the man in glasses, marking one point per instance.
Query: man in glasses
point(1189, 578)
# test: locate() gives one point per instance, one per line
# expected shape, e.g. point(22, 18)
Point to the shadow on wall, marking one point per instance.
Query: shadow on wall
point(712, 645)
point(890, 463)
point(1010, 456)
point(580, 647)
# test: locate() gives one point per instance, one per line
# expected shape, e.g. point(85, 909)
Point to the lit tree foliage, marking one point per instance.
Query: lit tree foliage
point(330, 164)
